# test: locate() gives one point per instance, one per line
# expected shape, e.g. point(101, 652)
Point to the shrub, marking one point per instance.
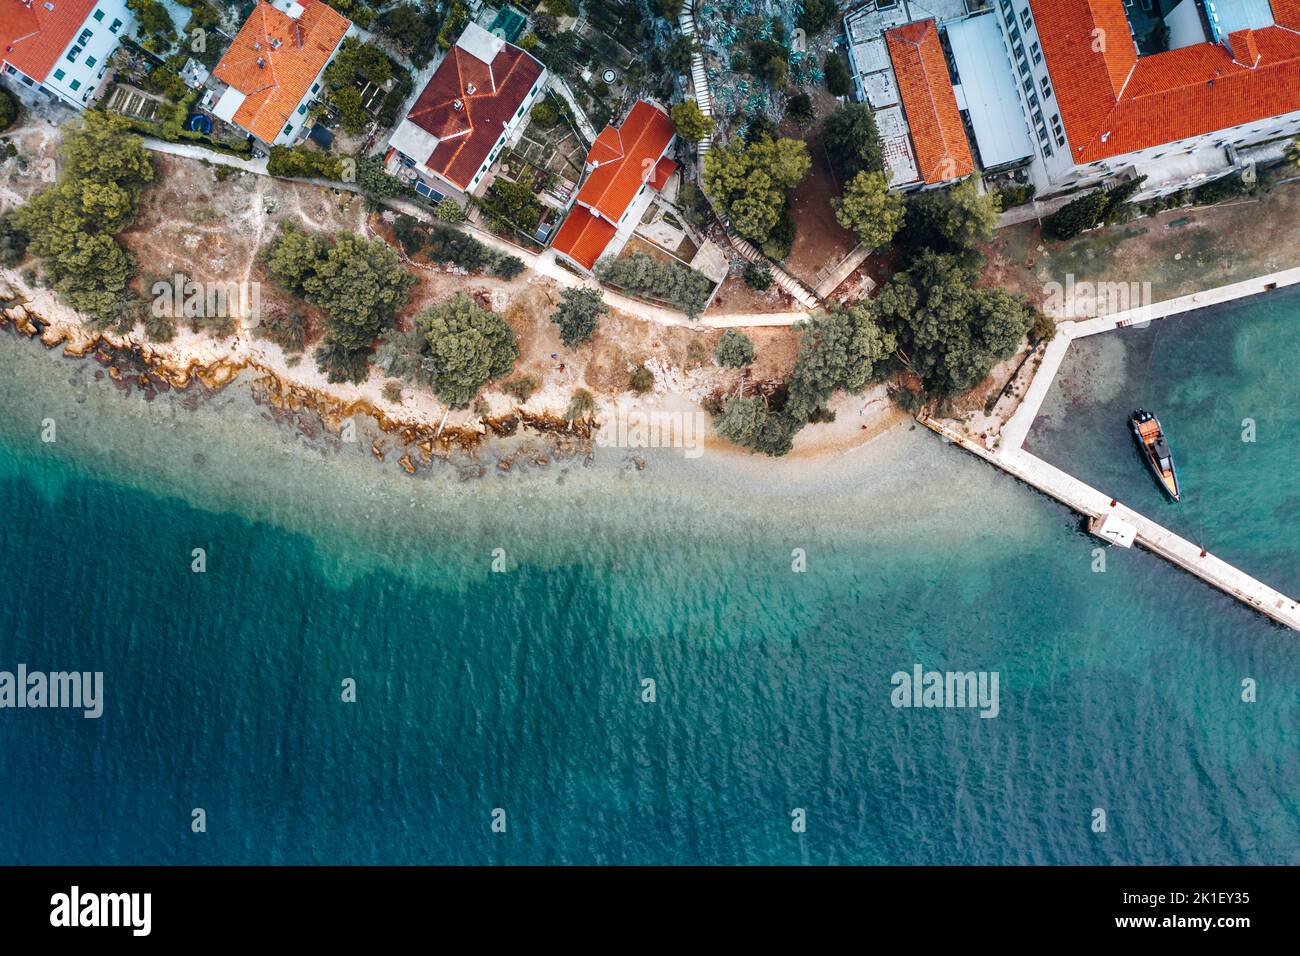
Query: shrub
point(642, 274)
point(286, 329)
point(581, 405)
point(641, 380)
point(758, 276)
point(579, 314)
point(341, 364)
point(734, 350)
point(521, 387)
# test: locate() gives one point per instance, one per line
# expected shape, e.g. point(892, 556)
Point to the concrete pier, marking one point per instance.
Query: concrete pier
point(1009, 454)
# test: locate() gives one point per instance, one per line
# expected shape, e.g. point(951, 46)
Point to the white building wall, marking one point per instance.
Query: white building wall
point(80, 68)
point(298, 118)
point(1054, 168)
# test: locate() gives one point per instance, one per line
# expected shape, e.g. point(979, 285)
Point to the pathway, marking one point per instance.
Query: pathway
point(1010, 455)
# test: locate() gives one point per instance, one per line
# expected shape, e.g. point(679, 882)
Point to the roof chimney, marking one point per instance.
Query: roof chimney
point(470, 89)
point(261, 63)
point(458, 105)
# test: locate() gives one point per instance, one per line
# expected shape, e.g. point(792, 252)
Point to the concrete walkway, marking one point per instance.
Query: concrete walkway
point(543, 263)
point(1010, 456)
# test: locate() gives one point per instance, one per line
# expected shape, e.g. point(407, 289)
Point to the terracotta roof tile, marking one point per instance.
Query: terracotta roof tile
point(624, 159)
point(664, 170)
point(274, 59)
point(488, 98)
point(35, 37)
point(1167, 96)
point(938, 135)
point(583, 237)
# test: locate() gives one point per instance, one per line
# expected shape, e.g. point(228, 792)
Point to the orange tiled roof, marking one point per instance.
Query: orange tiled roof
point(1112, 101)
point(35, 37)
point(664, 170)
point(488, 95)
point(274, 59)
point(942, 152)
point(624, 157)
point(583, 237)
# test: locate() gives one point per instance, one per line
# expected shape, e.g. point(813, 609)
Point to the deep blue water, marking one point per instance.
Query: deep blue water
point(522, 690)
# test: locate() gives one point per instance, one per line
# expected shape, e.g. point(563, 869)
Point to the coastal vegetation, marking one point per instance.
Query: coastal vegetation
point(582, 405)
point(358, 283)
point(734, 350)
point(642, 274)
point(452, 350)
point(72, 226)
point(578, 314)
point(751, 183)
point(869, 210)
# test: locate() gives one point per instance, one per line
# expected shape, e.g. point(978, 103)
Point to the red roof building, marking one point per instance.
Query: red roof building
point(62, 45)
point(1113, 101)
point(477, 97)
point(929, 103)
point(275, 63)
point(623, 161)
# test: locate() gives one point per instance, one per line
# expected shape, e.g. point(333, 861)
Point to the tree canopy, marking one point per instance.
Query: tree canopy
point(692, 125)
point(71, 225)
point(734, 350)
point(453, 350)
point(950, 332)
point(951, 221)
point(578, 314)
point(851, 142)
point(359, 283)
point(869, 209)
point(751, 182)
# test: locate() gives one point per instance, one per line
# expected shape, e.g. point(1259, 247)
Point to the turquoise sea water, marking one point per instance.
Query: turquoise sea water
point(522, 690)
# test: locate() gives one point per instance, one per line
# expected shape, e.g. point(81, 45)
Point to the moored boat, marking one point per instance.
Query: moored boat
point(1155, 450)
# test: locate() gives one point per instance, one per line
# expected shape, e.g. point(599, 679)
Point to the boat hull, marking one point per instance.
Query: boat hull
point(1150, 440)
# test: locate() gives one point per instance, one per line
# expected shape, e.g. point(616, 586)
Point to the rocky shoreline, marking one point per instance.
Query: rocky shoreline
point(321, 418)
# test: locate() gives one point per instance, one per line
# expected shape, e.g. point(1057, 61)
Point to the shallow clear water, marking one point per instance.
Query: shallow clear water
point(522, 690)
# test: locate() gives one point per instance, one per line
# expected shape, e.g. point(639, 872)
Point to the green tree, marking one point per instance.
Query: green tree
point(951, 333)
point(817, 15)
point(850, 141)
point(347, 100)
point(578, 314)
point(453, 350)
point(742, 421)
point(152, 17)
point(1076, 216)
point(952, 221)
point(752, 181)
point(692, 125)
point(869, 209)
point(9, 109)
point(734, 350)
point(71, 226)
point(839, 81)
point(512, 203)
point(449, 210)
point(341, 364)
point(293, 257)
point(843, 348)
point(677, 53)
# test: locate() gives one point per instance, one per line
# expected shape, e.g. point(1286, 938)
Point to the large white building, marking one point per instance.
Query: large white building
point(62, 46)
point(1077, 92)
